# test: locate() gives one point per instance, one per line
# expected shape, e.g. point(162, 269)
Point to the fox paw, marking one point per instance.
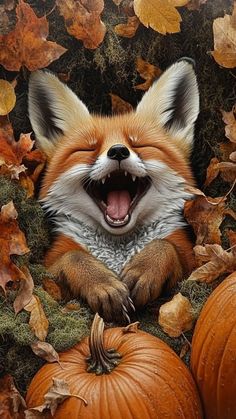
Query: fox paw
point(111, 300)
point(149, 270)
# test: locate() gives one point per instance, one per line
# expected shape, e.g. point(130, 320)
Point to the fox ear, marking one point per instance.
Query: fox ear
point(54, 109)
point(173, 100)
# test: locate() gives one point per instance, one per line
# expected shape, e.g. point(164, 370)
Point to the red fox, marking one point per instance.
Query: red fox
point(116, 187)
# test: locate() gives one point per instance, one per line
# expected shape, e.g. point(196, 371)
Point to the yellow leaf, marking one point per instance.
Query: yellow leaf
point(160, 15)
point(224, 30)
point(7, 97)
point(38, 321)
point(176, 316)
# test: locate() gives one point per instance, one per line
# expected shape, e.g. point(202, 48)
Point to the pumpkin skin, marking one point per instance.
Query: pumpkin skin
point(213, 358)
point(150, 382)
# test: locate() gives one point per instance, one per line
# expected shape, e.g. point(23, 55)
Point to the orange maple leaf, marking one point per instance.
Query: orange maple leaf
point(17, 158)
point(26, 45)
point(82, 20)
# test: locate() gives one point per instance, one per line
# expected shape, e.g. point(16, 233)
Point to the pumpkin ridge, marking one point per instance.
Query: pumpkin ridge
point(221, 363)
point(206, 334)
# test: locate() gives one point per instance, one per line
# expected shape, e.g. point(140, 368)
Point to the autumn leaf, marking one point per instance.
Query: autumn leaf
point(128, 30)
point(229, 119)
point(176, 316)
point(55, 395)
point(160, 15)
point(38, 321)
point(205, 215)
point(45, 351)
point(232, 237)
point(224, 31)
point(26, 45)
point(119, 106)
point(14, 153)
point(12, 404)
point(7, 97)
point(226, 169)
point(148, 72)
point(25, 291)
point(12, 242)
point(195, 4)
point(82, 20)
point(218, 261)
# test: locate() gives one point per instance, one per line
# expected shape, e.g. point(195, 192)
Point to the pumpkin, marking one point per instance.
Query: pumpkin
point(213, 358)
point(142, 378)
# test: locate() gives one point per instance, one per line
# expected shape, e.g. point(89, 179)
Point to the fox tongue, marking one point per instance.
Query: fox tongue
point(118, 203)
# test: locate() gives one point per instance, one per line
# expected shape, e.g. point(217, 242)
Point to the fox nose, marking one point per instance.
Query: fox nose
point(118, 152)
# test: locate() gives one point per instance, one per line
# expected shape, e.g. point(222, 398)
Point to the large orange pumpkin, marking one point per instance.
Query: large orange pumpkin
point(146, 381)
point(213, 358)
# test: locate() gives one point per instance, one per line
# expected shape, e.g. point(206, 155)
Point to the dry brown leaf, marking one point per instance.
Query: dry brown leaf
point(205, 215)
point(225, 168)
point(12, 242)
point(128, 30)
point(117, 2)
point(13, 153)
point(25, 291)
point(7, 97)
point(226, 149)
point(52, 289)
point(148, 72)
point(55, 395)
point(45, 351)
point(120, 106)
point(26, 45)
point(229, 119)
point(218, 261)
point(232, 156)
point(232, 237)
point(184, 350)
point(12, 404)
point(195, 4)
point(82, 20)
point(224, 31)
point(160, 15)
point(176, 316)
point(38, 321)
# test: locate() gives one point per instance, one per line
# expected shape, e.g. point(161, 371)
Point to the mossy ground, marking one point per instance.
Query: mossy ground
point(93, 75)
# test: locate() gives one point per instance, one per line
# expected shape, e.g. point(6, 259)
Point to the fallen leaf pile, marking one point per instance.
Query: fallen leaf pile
point(27, 44)
point(12, 242)
point(206, 215)
point(17, 158)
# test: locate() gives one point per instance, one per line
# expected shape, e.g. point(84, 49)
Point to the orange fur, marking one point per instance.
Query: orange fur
point(79, 148)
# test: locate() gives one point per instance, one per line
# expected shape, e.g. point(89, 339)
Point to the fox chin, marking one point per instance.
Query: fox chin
point(116, 188)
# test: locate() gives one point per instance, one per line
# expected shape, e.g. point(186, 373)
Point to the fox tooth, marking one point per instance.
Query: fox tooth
point(126, 173)
point(103, 180)
point(133, 177)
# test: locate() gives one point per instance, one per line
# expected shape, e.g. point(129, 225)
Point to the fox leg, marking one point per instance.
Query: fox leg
point(84, 276)
point(162, 261)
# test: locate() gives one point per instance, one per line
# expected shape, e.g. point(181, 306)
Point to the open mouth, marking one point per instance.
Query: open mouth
point(117, 195)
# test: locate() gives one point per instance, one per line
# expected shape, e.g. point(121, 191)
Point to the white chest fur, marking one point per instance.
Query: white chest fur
point(115, 251)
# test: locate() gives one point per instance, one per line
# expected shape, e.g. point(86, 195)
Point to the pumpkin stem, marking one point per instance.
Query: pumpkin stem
point(101, 361)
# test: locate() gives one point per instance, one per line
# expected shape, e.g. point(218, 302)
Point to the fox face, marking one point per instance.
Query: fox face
point(117, 173)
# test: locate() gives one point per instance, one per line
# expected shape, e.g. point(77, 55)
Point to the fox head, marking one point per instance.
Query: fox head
point(122, 171)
